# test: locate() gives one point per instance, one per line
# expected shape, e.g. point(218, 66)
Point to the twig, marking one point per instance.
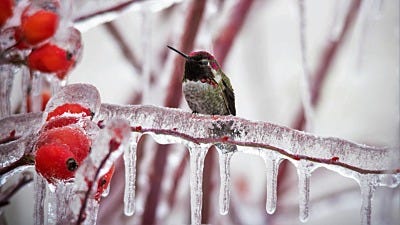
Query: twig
point(224, 42)
point(116, 8)
point(82, 216)
point(25, 160)
point(124, 46)
point(326, 62)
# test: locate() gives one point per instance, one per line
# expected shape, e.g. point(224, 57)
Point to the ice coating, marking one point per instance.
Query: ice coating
point(130, 175)
point(329, 151)
point(90, 13)
point(305, 150)
point(6, 81)
point(84, 94)
point(24, 129)
point(225, 183)
point(197, 155)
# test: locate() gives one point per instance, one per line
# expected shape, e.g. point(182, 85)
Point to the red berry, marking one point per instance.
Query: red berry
point(55, 162)
point(6, 10)
point(38, 27)
point(72, 108)
point(60, 122)
point(104, 182)
point(76, 141)
point(50, 58)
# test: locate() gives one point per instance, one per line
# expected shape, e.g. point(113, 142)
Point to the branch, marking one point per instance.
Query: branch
point(184, 127)
point(89, 13)
point(327, 59)
point(224, 42)
point(129, 55)
point(262, 136)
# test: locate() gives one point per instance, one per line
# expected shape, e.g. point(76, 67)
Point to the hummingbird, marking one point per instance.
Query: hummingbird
point(206, 88)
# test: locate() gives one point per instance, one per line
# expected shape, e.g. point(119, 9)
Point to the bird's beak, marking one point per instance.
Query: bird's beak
point(180, 53)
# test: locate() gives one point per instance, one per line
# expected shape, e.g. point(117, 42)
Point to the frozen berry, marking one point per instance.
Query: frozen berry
point(6, 10)
point(72, 137)
point(38, 27)
point(50, 58)
point(55, 162)
point(72, 108)
point(104, 182)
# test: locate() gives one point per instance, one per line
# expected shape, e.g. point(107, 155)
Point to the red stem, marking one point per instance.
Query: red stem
point(224, 42)
point(116, 8)
point(124, 46)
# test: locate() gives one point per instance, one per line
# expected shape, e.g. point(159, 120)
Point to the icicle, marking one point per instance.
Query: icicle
point(368, 186)
point(60, 203)
point(224, 170)
point(130, 175)
point(55, 83)
point(6, 81)
point(305, 78)
point(40, 195)
point(25, 83)
point(92, 207)
point(272, 161)
point(304, 173)
point(106, 192)
point(197, 155)
point(36, 89)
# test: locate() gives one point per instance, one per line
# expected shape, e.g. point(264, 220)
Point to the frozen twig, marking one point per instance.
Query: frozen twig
point(90, 13)
point(327, 59)
point(183, 126)
point(124, 47)
point(224, 42)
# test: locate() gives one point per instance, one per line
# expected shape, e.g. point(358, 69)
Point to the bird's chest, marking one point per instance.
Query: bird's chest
point(204, 98)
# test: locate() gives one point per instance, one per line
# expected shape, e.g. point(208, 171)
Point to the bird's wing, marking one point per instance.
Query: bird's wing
point(229, 96)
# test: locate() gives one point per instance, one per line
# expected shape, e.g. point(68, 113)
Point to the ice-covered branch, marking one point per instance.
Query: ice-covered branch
point(177, 126)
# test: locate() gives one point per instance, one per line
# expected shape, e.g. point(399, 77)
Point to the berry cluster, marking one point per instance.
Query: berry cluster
point(36, 38)
point(63, 145)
